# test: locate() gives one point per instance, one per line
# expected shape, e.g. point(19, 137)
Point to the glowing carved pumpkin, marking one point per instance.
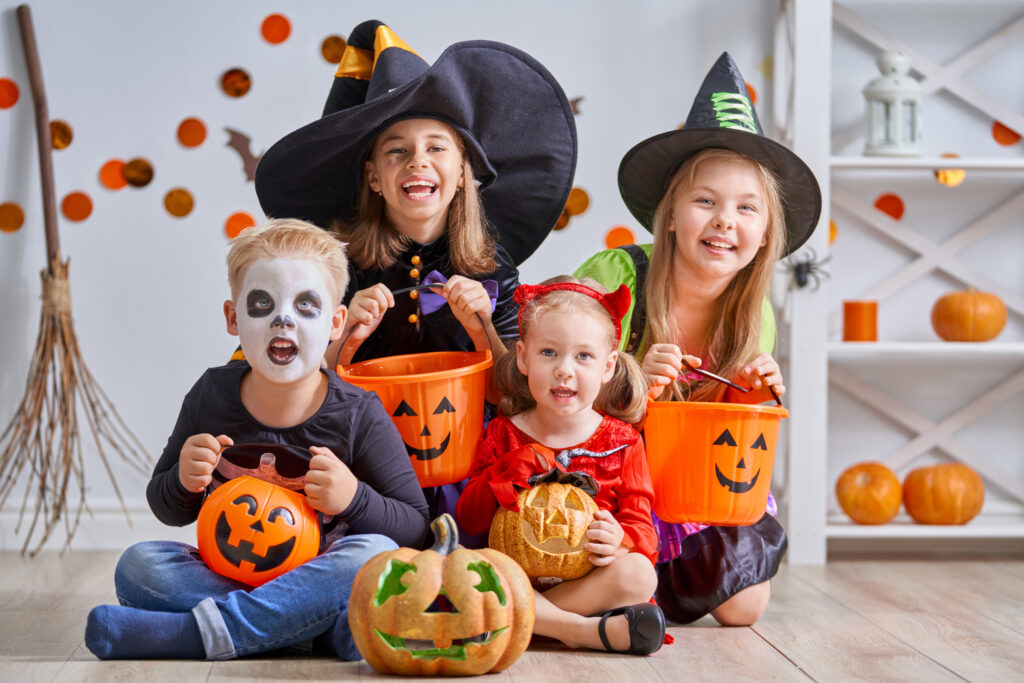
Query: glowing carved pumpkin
point(252, 531)
point(546, 536)
point(436, 401)
point(869, 492)
point(951, 493)
point(969, 316)
point(445, 611)
point(711, 463)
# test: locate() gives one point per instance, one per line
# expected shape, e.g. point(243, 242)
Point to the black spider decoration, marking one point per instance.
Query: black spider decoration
point(807, 269)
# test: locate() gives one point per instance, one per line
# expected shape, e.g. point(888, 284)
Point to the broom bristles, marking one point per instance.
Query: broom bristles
point(43, 436)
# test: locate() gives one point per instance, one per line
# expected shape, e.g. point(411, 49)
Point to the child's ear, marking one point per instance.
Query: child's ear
point(521, 358)
point(338, 321)
point(231, 317)
point(371, 176)
point(609, 366)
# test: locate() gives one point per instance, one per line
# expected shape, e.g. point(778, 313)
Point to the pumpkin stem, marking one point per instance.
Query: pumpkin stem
point(446, 534)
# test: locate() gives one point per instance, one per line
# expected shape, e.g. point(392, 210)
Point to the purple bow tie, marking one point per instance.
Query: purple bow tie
point(431, 301)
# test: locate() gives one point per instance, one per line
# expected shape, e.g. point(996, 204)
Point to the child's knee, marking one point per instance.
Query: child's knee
point(635, 576)
point(744, 608)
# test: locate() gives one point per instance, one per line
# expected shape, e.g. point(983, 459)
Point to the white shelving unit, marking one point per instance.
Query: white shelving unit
point(922, 393)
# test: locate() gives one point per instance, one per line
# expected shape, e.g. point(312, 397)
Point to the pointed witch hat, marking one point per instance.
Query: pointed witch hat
point(721, 116)
point(514, 118)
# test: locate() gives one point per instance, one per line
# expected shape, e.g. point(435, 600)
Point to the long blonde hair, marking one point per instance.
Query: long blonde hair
point(623, 396)
point(373, 242)
point(735, 340)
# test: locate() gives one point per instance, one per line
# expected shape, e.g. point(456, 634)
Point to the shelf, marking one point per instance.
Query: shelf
point(934, 350)
point(865, 163)
point(979, 527)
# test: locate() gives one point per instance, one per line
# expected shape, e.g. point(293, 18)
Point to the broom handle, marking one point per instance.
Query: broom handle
point(35, 77)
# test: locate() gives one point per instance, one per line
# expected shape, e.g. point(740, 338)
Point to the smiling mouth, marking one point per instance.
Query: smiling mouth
point(563, 394)
point(715, 244)
point(426, 649)
point(736, 486)
point(282, 351)
point(419, 189)
point(428, 453)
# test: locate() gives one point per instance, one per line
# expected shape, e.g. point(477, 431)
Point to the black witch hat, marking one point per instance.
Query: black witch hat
point(722, 115)
point(513, 116)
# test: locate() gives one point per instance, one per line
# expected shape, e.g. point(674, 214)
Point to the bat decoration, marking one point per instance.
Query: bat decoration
point(575, 104)
point(240, 142)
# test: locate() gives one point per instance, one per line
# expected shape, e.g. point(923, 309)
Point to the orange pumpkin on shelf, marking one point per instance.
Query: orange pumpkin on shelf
point(951, 493)
point(969, 316)
point(869, 493)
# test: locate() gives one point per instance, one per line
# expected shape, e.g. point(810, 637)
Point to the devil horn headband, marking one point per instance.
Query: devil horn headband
point(616, 303)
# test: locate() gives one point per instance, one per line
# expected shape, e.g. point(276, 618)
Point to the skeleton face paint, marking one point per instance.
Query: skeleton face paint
point(284, 311)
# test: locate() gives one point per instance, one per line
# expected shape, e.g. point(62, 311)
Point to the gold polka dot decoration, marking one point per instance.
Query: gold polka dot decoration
point(237, 222)
point(112, 174)
point(767, 67)
point(1004, 135)
point(890, 204)
point(179, 202)
point(61, 134)
point(950, 177)
point(578, 201)
point(235, 82)
point(76, 206)
point(332, 48)
point(191, 132)
point(138, 172)
point(563, 221)
point(618, 236)
point(11, 217)
point(275, 29)
point(9, 93)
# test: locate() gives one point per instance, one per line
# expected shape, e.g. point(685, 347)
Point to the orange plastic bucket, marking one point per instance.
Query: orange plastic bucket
point(436, 401)
point(711, 463)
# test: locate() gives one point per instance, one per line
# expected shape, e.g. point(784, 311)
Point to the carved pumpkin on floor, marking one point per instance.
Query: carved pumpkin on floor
point(436, 401)
point(445, 611)
point(711, 463)
point(253, 531)
point(546, 536)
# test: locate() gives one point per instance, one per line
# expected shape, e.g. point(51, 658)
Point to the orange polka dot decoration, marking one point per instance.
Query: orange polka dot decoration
point(61, 134)
point(275, 29)
point(1003, 135)
point(112, 174)
point(237, 222)
point(890, 204)
point(576, 204)
point(76, 206)
point(619, 236)
point(11, 217)
point(191, 132)
point(179, 202)
point(332, 48)
point(9, 93)
point(235, 82)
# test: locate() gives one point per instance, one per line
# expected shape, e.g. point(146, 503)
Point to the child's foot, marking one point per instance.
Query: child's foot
point(645, 629)
point(116, 632)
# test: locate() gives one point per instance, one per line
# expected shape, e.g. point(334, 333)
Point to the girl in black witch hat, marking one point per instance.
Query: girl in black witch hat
point(449, 174)
point(724, 204)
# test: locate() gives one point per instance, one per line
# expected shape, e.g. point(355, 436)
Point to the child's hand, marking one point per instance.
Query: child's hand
point(330, 484)
point(762, 372)
point(663, 363)
point(514, 469)
point(366, 310)
point(199, 456)
point(466, 298)
point(604, 539)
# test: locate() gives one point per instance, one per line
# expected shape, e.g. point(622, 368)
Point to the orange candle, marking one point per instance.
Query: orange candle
point(860, 321)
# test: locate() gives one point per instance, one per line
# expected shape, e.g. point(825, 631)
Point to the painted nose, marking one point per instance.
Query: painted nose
point(283, 321)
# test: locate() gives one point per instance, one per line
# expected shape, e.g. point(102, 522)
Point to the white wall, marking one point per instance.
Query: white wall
point(147, 288)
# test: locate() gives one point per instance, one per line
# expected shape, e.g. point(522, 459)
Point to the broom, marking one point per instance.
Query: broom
point(42, 443)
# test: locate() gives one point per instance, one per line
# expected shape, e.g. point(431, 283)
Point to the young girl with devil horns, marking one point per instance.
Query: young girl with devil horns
point(724, 204)
point(440, 191)
point(570, 399)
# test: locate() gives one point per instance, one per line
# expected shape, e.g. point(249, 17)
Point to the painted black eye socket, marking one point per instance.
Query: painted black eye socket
point(248, 501)
point(724, 439)
point(403, 409)
point(760, 444)
point(445, 406)
point(259, 303)
point(283, 513)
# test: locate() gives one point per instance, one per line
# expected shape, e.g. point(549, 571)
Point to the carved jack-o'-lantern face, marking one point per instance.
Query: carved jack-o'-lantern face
point(442, 611)
point(253, 531)
point(546, 536)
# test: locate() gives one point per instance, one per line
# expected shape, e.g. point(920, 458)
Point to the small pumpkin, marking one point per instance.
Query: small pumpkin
point(445, 611)
point(546, 536)
point(869, 493)
point(253, 531)
point(969, 316)
point(950, 493)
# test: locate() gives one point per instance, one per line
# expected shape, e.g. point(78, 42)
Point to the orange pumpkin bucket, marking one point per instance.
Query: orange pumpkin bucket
point(711, 463)
point(436, 401)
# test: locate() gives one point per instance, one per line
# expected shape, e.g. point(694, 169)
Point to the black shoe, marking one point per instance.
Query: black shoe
point(646, 628)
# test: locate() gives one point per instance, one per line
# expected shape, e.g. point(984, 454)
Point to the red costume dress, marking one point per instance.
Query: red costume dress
point(613, 455)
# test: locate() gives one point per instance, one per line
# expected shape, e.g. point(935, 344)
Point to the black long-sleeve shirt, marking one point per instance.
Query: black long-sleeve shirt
point(351, 422)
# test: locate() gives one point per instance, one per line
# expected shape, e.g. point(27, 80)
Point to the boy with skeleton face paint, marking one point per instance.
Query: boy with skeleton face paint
point(287, 279)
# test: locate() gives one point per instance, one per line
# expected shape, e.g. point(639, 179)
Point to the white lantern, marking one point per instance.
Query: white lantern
point(894, 109)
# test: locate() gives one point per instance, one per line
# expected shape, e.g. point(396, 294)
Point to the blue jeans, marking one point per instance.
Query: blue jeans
point(309, 602)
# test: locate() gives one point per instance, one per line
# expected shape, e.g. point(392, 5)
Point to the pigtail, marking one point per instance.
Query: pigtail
point(625, 395)
point(513, 385)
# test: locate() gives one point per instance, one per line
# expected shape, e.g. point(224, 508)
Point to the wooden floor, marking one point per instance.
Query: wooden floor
point(872, 620)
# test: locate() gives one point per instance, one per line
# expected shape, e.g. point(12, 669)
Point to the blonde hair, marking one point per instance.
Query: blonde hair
point(735, 340)
point(623, 396)
point(373, 242)
point(289, 238)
